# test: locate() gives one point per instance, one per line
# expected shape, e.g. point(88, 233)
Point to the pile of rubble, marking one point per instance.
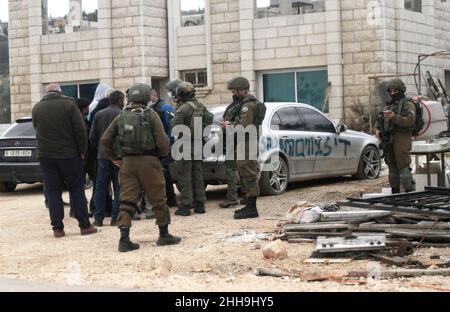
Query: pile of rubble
point(390, 235)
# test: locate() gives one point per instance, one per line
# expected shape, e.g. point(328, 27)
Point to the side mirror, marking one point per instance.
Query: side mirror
point(341, 128)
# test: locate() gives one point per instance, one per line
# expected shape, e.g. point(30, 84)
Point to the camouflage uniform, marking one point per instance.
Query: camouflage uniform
point(141, 172)
point(190, 172)
point(245, 115)
point(248, 169)
point(397, 151)
point(230, 165)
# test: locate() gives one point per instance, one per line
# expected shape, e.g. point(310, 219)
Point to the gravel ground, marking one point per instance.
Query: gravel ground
point(217, 253)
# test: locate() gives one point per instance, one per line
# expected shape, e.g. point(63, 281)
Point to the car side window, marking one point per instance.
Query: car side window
point(276, 122)
point(316, 122)
point(290, 119)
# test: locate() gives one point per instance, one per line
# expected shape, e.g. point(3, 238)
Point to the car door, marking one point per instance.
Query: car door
point(289, 128)
point(332, 152)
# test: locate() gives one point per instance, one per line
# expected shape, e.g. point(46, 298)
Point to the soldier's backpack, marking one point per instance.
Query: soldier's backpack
point(200, 111)
point(135, 133)
point(418, 125)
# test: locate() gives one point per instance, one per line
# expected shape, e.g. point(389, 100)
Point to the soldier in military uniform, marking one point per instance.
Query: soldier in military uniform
point(395, 129)
point(231, 172)
point(248, 112)
point(190, 171)
point(172, 88)
point(137, 137)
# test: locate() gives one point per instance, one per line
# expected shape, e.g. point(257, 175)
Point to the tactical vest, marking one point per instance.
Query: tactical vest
point(200, 111)
point(260, 110)
point(135, 133)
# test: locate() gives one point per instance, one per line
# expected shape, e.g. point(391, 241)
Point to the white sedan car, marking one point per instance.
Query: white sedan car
point(300, 143)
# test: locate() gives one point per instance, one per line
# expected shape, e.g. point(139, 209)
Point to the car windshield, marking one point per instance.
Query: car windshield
point(21, 129)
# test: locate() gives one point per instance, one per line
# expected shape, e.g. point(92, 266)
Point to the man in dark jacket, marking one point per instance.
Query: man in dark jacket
point(106, 170)
point(62, 143)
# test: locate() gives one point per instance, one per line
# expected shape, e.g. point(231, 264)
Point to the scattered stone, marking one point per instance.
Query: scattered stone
point(275, 250)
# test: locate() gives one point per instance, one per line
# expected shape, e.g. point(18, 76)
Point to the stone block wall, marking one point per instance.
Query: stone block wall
point(19, 59)
point(128, 46)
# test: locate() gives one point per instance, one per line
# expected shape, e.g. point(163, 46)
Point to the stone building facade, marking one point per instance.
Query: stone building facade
point(329, 56)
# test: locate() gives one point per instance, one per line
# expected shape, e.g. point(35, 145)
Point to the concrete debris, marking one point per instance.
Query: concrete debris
point(247, 237)
point(275, 250)
point(304, 212)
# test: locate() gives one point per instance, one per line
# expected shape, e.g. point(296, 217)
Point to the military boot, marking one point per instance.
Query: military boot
point(406, 179)
point(125, 244)
point(165, 238)
point(228, 203)
point(395, 190)
point(183, 211)
point(244, 201)
point(200, 208)
point(172, 202)
point(248, 212)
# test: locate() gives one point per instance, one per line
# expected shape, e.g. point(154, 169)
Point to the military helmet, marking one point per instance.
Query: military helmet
point(173, 85)
point(139, 93)
point(396, 84)
point(238, 83)
point(185, 90)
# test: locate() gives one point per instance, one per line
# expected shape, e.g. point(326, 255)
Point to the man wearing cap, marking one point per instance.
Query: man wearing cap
point(248, 112)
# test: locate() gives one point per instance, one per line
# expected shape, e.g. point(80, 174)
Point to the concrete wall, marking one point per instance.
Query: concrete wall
point(141, 40)
point(128, 46)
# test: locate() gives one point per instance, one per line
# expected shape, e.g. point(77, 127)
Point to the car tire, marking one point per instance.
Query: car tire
point(369, 164)
point(7, 187)
point(275, 182)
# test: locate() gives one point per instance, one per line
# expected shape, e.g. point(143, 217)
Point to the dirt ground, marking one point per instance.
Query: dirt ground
point(217, 253)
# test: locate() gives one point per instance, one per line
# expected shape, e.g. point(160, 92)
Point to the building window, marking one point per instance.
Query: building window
point(268, 8)
point(413, 5)
point(197, 77)
point(69, 16)
point(86, 90)
point(308, 87)
point(192, 12)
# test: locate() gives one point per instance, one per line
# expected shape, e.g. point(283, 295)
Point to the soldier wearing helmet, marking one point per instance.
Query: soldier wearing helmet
point(135, 141)
point(246, 110)
point(190, 171)
point(394, 128)
point(172, 88)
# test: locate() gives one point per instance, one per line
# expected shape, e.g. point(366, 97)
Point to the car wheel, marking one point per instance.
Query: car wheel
point(7, 187)
point(275, 182)
point(369, 164)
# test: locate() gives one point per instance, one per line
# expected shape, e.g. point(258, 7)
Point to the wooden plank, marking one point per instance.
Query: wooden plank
point(301, 241)
point(327, 261)
point(315, 227)
point(430, 213)
point(382, 227)
point(354, 215)
point(401, 273)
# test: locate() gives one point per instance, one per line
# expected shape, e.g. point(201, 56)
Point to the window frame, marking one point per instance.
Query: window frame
point(78, 83)
point(196, 72)
point(202, 16)
point(413, 6)
point(260, 89)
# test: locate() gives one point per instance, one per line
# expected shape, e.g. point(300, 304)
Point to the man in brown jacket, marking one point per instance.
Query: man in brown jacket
point(62, 143)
